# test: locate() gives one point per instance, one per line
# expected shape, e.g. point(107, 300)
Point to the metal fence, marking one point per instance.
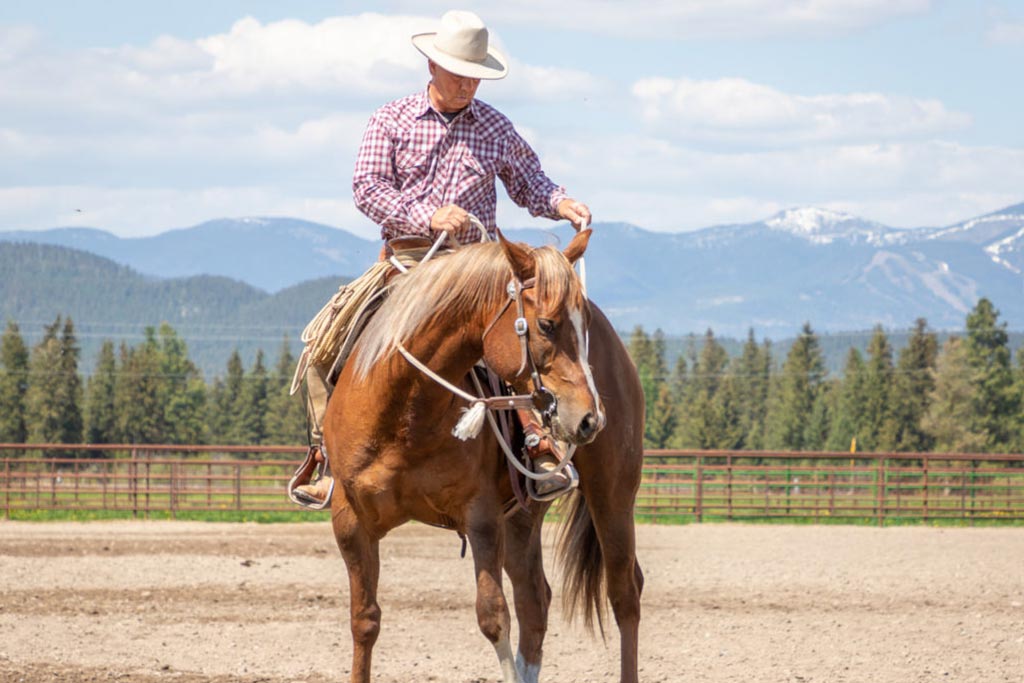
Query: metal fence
point(677, 486)
point(849, 487)
point(142, 480)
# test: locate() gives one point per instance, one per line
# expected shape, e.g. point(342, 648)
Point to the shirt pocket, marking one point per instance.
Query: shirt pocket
point(411, 167)
point(477, 174)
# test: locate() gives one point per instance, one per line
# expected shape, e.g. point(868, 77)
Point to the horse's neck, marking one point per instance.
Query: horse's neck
point(450, 351)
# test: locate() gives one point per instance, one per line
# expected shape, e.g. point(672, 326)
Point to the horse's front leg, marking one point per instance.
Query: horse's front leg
point(362, 558)
point(487, 539)
point(524, 563)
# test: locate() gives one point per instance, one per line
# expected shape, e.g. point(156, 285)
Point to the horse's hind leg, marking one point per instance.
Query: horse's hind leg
point(486, 537)
point(362, 558)
point(609, 487)
point(531, 593)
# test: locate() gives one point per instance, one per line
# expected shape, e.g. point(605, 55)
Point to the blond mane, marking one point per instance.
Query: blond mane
point(457, 285)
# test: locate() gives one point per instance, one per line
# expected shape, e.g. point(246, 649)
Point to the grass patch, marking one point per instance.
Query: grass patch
point(261, 517)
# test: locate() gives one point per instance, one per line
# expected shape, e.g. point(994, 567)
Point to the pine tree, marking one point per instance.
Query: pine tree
point(226, 402)
point(795, 393)
point(641, 350)
point(14, 370)
point(951, 422)
point(913, 387)
point(816, 431)
point(100, 404)
point(181, 391)
point(137, 393)
point(286, 415)
point(54, 396)
point(751, 375)
point(649, 357)
point(995, 402)
point(848, 417)
point(69, 394)
point(253, 404)
point(879, 433)
point(712, 417)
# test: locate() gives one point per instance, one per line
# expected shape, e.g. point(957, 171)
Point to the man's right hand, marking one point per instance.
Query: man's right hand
point(451, 219)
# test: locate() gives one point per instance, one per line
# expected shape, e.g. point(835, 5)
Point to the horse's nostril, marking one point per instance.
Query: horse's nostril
point(588, 426)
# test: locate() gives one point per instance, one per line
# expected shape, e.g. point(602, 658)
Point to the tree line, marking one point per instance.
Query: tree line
point(143, 394)
point(966, 396)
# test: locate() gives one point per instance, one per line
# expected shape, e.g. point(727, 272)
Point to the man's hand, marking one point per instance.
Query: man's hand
point(450, 219)
point(575, 212)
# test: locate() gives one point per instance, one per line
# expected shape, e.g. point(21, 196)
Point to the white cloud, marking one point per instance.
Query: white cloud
point(689, 19)
point(1007, 33)
point(664, 185)
point(15, 41)
point(734, 110)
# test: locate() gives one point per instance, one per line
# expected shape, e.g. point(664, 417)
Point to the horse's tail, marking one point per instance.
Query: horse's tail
point(579, 554)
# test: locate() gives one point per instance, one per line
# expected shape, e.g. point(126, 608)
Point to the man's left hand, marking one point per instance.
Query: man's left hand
point(575, 212)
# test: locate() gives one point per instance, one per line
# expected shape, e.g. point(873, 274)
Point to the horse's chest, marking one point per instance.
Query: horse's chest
point(435, 490)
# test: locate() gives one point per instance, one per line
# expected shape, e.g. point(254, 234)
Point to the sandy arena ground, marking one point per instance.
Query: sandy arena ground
point(233, 603)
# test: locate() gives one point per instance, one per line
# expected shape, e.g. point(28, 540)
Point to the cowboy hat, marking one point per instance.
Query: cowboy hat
point(460, 46)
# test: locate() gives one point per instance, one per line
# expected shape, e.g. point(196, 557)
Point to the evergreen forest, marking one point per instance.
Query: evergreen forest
point(963, 394)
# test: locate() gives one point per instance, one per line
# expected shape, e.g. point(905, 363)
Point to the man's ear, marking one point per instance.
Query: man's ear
point(519, 257)
point(578, 245)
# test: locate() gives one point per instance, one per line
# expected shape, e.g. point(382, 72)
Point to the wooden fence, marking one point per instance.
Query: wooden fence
point(677, 486)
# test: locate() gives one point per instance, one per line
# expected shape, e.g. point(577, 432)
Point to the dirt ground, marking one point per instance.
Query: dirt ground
point(232, 603)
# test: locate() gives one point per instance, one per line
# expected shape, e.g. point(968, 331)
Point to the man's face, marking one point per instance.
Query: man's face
point(452, 92)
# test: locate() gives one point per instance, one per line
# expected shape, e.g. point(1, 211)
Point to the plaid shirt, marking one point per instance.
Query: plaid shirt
point(412, 162)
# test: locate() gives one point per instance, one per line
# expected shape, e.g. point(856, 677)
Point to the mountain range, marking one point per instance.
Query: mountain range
point(835, 270)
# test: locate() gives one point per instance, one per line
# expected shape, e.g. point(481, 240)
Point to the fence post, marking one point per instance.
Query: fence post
point(172, 487)
point(699, 503)
point(728, 486)
point(7, 488)
point(238, 486)
point(924, 463)
point(133, 482)
point(880, 489)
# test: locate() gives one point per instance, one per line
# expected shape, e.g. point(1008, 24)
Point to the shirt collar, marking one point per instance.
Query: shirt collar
point(425, 108)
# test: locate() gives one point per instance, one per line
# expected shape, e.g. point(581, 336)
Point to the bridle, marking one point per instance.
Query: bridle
point(483, 407)
point(543, 401)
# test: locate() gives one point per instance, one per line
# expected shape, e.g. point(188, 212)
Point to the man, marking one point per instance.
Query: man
point(429, 161)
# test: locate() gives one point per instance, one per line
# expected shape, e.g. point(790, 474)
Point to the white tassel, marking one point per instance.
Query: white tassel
point(471, 422)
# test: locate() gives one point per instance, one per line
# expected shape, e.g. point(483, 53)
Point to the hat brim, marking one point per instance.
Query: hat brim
point(493, 67)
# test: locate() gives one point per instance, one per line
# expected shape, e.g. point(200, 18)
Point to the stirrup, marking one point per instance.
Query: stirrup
point(304, 476)
point(568, 475)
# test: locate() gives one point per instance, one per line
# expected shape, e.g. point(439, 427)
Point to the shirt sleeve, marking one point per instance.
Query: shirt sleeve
point(376, 190)
point(525, 181)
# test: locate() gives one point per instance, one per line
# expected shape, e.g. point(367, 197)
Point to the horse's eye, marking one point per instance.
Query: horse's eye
point(546, 326)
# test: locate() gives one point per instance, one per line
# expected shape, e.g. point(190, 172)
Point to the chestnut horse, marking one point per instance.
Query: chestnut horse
point(388, 433)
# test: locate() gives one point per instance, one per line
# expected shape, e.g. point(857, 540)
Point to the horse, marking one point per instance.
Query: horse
point(388, 436)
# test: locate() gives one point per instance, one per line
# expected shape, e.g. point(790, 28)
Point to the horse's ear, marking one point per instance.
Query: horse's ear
point(578, 245)
point(519, 257)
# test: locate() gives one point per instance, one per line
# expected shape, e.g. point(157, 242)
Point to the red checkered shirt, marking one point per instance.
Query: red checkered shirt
point(412, 162)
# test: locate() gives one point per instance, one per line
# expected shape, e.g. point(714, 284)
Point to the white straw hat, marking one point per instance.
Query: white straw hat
point(460, 46)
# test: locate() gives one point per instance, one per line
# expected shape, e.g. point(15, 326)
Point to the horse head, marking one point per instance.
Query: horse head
point(538, 340)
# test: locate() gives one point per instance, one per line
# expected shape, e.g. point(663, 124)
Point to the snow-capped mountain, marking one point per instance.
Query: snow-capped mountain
point(837, 271)
point(824, 226)
point(1000, 234)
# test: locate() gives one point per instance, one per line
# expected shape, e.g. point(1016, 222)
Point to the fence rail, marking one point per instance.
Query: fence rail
point(676, 486)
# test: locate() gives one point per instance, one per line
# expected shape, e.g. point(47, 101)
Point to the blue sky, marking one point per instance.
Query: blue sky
point(674, 115)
